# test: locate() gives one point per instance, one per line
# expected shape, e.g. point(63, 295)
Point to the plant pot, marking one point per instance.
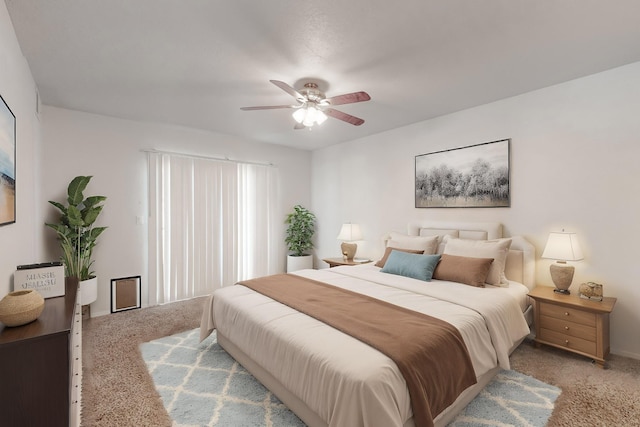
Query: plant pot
point(295, 263)
point(88, 291)
point(21, 307)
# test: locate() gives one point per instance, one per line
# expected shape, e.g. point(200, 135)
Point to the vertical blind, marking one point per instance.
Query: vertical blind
point(212, 223)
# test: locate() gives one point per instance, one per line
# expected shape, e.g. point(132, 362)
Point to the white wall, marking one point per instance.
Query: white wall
point(574, 164)
point(19, 242)
point(76, 143)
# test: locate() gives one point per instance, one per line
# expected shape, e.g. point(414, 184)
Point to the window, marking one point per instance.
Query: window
point(212, 223)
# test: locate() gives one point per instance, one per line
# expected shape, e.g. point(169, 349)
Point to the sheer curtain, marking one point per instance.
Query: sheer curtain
point(212, 223)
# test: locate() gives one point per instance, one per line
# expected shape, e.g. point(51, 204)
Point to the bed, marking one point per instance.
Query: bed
point(329, 378)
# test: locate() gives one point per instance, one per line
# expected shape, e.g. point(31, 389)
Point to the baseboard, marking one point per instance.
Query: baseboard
point(99, 313)
point(628, 354)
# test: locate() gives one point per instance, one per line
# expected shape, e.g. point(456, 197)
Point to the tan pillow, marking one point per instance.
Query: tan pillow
point(496, 249)
point(388, 250)
point(428, 244)
point(467, 270)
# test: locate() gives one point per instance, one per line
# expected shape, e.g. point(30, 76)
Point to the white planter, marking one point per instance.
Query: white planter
point(88, 291)
point(295, 263)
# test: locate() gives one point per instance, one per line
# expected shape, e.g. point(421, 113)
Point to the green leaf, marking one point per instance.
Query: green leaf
point(60, 206)
point(75, 189)
point(91, 201)
point(62, 230)
point(74, 217)
point(90, 215)
point(95, 232)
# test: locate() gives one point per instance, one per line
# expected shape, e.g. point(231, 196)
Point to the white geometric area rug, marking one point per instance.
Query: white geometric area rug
point(201, 385)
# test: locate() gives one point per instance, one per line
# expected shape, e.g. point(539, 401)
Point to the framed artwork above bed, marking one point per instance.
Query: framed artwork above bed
point(475, 176)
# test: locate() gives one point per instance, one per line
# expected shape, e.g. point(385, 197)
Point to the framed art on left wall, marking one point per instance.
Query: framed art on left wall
point(7, 164)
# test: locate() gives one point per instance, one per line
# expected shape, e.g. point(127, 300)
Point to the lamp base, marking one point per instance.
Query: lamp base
point(562, 275)
point(348, 250)
point(562, 291)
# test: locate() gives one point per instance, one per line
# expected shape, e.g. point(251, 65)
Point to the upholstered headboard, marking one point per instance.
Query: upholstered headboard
point(520, 265)
point(462, 230)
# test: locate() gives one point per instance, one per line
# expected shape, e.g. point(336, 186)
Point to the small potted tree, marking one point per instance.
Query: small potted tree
point(299, 240)
point(78, 235)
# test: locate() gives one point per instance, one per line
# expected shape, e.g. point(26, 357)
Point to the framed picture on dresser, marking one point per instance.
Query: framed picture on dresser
point(475, 176)
point(7, 164)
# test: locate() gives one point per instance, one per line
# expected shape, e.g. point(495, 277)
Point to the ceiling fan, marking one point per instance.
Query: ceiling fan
point(313, 106)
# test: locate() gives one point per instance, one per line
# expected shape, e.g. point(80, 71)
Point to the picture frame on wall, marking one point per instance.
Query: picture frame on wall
point(474, 176)
point(125, 293)
point(7, 164)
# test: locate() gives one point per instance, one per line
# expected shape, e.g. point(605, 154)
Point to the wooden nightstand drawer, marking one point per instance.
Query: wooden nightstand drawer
point(567, 313)
point(567, 341)
point(568, 328)
point(574, 324)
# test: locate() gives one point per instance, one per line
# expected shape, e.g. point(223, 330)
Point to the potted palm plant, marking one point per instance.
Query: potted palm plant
point(300, 230)
point(78, 235)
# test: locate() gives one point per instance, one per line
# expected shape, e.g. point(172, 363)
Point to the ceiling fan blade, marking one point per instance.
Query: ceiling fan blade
point(349, 98)
point(291, 91)
point(356, 121)
point(267, 107)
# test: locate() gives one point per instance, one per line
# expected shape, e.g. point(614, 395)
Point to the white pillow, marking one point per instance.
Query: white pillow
point(496, 249)
point(428, 244)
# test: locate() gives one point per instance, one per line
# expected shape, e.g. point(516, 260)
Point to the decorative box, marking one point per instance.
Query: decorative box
point(46, 278)
point(591, 291)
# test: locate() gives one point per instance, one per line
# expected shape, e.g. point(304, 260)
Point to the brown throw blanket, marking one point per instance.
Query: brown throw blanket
point(429, 352)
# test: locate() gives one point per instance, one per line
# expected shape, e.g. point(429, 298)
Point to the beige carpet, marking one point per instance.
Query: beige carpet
point(590, 396)
point(116, 387)
point(117, 390)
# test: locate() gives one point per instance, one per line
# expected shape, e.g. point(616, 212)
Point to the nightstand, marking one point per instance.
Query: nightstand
point(334, 262)
point(572, 323)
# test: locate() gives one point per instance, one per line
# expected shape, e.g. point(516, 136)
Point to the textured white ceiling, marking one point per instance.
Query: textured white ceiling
point(196, 62)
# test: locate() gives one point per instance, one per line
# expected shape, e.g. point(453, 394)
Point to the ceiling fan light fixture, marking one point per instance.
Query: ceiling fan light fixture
point(313, 107)
point(309, 115)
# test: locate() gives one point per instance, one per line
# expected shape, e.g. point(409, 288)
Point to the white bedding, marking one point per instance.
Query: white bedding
point(346, 382)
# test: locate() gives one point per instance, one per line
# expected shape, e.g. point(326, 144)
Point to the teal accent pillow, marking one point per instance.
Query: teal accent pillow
point(416, 266)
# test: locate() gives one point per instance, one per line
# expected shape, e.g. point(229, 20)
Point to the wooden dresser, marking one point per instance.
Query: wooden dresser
point(41, 366)
point(572, 323)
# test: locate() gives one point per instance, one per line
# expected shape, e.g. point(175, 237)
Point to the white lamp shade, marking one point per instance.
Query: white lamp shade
point(321, 117)
point(562, 246)
point(350, 232)
point(310, 117)
point(299, 115)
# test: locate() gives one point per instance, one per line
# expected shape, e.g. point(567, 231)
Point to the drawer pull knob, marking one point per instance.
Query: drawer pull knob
point(566, 313)
point(566, 342)
point(566, 328)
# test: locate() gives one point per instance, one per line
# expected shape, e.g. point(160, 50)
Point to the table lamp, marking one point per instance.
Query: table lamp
point(349, 233)
point(562, 247)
